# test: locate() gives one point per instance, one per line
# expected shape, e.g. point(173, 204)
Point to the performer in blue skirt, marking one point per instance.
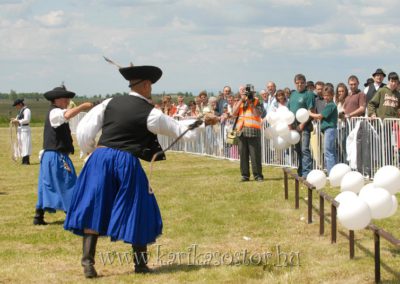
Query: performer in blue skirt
point(112, 196)
point(57, 173)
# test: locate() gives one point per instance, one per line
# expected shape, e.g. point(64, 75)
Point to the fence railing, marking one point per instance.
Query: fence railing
point(365, 144)
point(377, 232)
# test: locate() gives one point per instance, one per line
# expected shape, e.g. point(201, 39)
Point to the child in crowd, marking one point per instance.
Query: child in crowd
point(328, 117)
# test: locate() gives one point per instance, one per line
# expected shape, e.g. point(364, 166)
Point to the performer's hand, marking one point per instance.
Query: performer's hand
point(86, 106)
point(15, 121)
point(210, 119)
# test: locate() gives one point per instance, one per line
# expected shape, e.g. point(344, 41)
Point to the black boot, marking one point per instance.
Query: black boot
point(24, 160)
point(89, 251)
point(27, 160)
point(140, 259)
point(39, 217)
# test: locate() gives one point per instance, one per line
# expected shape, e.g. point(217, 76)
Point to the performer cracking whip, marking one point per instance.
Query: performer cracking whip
point(111, 196)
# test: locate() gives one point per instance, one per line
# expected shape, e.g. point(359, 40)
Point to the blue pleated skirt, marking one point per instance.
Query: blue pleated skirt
point(57, 178)
point(111, 197)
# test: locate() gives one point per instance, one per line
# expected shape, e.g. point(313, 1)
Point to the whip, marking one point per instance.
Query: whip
point(194, 125)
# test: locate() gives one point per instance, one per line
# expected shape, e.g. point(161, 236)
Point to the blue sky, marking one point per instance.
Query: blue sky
point(199, 45)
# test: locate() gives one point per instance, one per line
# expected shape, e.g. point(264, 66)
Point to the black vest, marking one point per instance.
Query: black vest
point(125, 128)
point(57, 139)
point(21, 113)
point(371, 91)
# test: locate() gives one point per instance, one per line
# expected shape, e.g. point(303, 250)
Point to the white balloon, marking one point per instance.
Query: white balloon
point(293, 137)
point(288, 117)
point(395, 204)
point(345, 196)
point(282, 109)
point(279, 143)
point(388, 177)
point(317, 178)
point(272, 117)
point(379, 201)
point(302, 115)
point(282, 129)
point(354, 214)
point(270, 132)
point(337, 173)
point(352, 181)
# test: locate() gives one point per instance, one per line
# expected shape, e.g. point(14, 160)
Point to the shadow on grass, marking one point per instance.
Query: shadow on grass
point(58, 222)
point(164, 269)
point(3, 193)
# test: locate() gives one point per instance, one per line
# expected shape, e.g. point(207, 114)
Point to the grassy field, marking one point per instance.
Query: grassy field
point(216, 230)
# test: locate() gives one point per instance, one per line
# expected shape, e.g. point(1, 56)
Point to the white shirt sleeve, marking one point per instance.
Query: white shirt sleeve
point(366, 89)
point(27, 117)
point(56, 117)
point(89, 126)
point(159, 123)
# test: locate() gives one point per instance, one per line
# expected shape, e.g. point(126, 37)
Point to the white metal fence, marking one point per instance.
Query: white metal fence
point(365, 144)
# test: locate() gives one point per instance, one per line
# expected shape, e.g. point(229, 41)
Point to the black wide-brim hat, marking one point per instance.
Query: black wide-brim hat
point(17, 102)
point(58, 92)
point(151, 73)
point(379, 71)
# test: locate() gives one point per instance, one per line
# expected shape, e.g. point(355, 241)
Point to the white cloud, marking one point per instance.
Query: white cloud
point(52, 19)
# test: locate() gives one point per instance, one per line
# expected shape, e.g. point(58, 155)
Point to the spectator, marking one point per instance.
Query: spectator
point(181, 108)
point(269, 97)
point(328, 117)
point(202, 101)
point(301, 98)
point(372, 88)
point(167, 106)
point(24, 139)
point(249, 110)
point(310, 86)
point(385, 102)
point(320, 103)
point(212, 107)
point(280, 101)
point(192, 111)
point(226, 92)
point(340, 97)
point(288, 92)
point(354, 104)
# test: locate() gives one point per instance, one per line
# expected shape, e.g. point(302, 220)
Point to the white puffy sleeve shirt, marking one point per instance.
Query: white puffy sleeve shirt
point(27, 117)
point(157, 123)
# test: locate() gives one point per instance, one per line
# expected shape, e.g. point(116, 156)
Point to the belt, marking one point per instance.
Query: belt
point(25, 124)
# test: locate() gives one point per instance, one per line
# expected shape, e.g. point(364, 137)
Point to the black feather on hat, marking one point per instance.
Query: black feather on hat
point(151, 73)
point(58, 92)
point(17, 102)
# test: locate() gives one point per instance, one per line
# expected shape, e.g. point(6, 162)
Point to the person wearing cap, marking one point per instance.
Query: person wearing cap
point(386, 102)
point(57, 173)
point(310, 86)
point(112, 196)
point(374, 86)
point(24, 139)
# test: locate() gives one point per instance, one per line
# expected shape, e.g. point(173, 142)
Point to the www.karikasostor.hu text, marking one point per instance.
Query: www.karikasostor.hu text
point(194, 256)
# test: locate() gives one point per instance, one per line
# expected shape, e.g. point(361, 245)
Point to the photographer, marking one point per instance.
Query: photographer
point(249, 111)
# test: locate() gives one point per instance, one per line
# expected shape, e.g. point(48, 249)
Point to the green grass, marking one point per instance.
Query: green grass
point(204, 206)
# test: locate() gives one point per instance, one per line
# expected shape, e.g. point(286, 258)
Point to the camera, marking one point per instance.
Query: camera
point(250, 92)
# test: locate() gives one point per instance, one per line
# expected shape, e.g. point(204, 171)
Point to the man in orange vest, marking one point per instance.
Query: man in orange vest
point(249, 110)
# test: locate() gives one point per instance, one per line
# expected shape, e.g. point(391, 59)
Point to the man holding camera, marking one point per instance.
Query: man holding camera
point(249, 110)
